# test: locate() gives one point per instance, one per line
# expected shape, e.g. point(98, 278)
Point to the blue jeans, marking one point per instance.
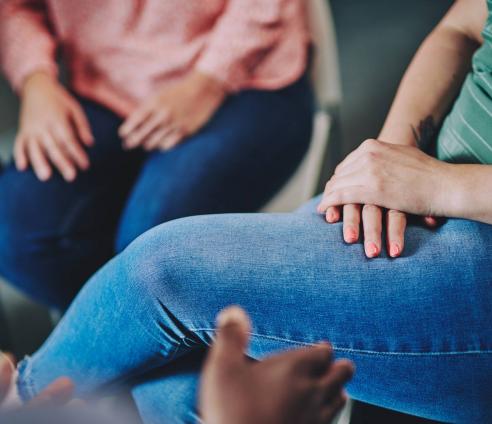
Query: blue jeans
point(418, 328)
point(55, 235)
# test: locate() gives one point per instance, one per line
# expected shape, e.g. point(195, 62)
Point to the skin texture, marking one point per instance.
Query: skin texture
point(426, 92)
point(53, 130)
point(166, 119)
point(300, 386)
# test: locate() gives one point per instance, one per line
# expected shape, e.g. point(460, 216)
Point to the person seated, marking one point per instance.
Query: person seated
point(414, 318)
point(171, 109)
point(300, 386)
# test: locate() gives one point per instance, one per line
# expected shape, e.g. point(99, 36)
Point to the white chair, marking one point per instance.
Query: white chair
point(326, 83)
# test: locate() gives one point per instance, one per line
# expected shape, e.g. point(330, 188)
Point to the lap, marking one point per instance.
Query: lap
point(416, 327)
point(234, 164)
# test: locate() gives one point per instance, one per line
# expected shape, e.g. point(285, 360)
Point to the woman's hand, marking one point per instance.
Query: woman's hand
point(402, 179)
point(170, 116)
point(298, 386)
point(52, 130)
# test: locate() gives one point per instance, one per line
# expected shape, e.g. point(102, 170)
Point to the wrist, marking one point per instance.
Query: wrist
point(35, 79)
point(208, 84)
point(455, 191)
point(398, 133)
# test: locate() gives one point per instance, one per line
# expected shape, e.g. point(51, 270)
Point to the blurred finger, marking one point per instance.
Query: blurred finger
point(147, 128)
point(134, 121)
point(82, 125)
point(372, 223)
point(172, 140)
point(396, 222)
point(59, 158)
point(37, 158)
point(351, 223)
point(233, 327)
point(20, 155)
point(339, 374)
point(313, 361)
point(333, 407)
point(72, 147)
point(157, 138)
point(5, 376)
point(57, 394)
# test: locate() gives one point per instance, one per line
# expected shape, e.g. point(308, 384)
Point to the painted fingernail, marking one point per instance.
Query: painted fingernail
point(371, 249)
point(394, 250)
point(350, 235)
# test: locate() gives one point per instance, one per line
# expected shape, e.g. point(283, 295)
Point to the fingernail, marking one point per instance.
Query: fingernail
point(44, 175)
point(70, 176)
point(350, 235)
point(371, 249)
point(394, 250)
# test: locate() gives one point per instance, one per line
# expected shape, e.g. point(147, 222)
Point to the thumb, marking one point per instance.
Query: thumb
point(232, 335)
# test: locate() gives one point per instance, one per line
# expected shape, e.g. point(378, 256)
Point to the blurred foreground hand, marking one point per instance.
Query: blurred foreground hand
point(300, 386)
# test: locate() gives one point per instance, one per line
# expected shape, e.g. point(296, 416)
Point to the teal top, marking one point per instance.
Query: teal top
point(466, 134)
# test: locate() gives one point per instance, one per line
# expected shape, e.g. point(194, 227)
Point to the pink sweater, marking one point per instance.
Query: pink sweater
point(118, 52)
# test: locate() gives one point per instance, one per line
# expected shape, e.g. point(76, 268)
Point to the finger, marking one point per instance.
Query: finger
point(20, 155)
point(38, 160)
point(6, 372)
point(313, 361)
point(337, 376)
point(57, 394)
point(351, 223)
point(372, 223)
point(396, 222)
point(157, 138)
point(233, 327)
point(431, 221)
point(332, 214)
point(66, 139)
point(134, 121)
point(59, 158)
point(138, 137)
point(82, 125)
point(172, 140)
point(333, 408)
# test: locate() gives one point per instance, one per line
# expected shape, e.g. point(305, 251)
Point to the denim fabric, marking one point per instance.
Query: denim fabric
point(55, 235)
point(418, 327)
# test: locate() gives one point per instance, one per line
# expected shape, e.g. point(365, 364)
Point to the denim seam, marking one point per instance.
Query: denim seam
point(362, 351)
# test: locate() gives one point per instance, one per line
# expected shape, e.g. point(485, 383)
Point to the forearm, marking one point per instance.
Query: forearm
point(435, 75)
point(428, 88)
point(469, 189)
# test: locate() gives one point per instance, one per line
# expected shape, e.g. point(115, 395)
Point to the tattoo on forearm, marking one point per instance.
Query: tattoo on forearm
point(425, 133)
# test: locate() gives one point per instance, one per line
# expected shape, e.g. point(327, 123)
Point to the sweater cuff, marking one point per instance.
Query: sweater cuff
point(21, 73)
point(232, 74)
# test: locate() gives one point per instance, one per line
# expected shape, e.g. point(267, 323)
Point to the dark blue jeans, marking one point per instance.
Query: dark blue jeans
point(55, 235)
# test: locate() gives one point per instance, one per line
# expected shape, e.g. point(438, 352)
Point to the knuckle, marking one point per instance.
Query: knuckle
point(370, 143)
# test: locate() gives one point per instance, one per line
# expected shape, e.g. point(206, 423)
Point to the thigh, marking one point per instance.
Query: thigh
point(54, 234)
point(416, 327)
point(170, 394)
point(235, 164)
